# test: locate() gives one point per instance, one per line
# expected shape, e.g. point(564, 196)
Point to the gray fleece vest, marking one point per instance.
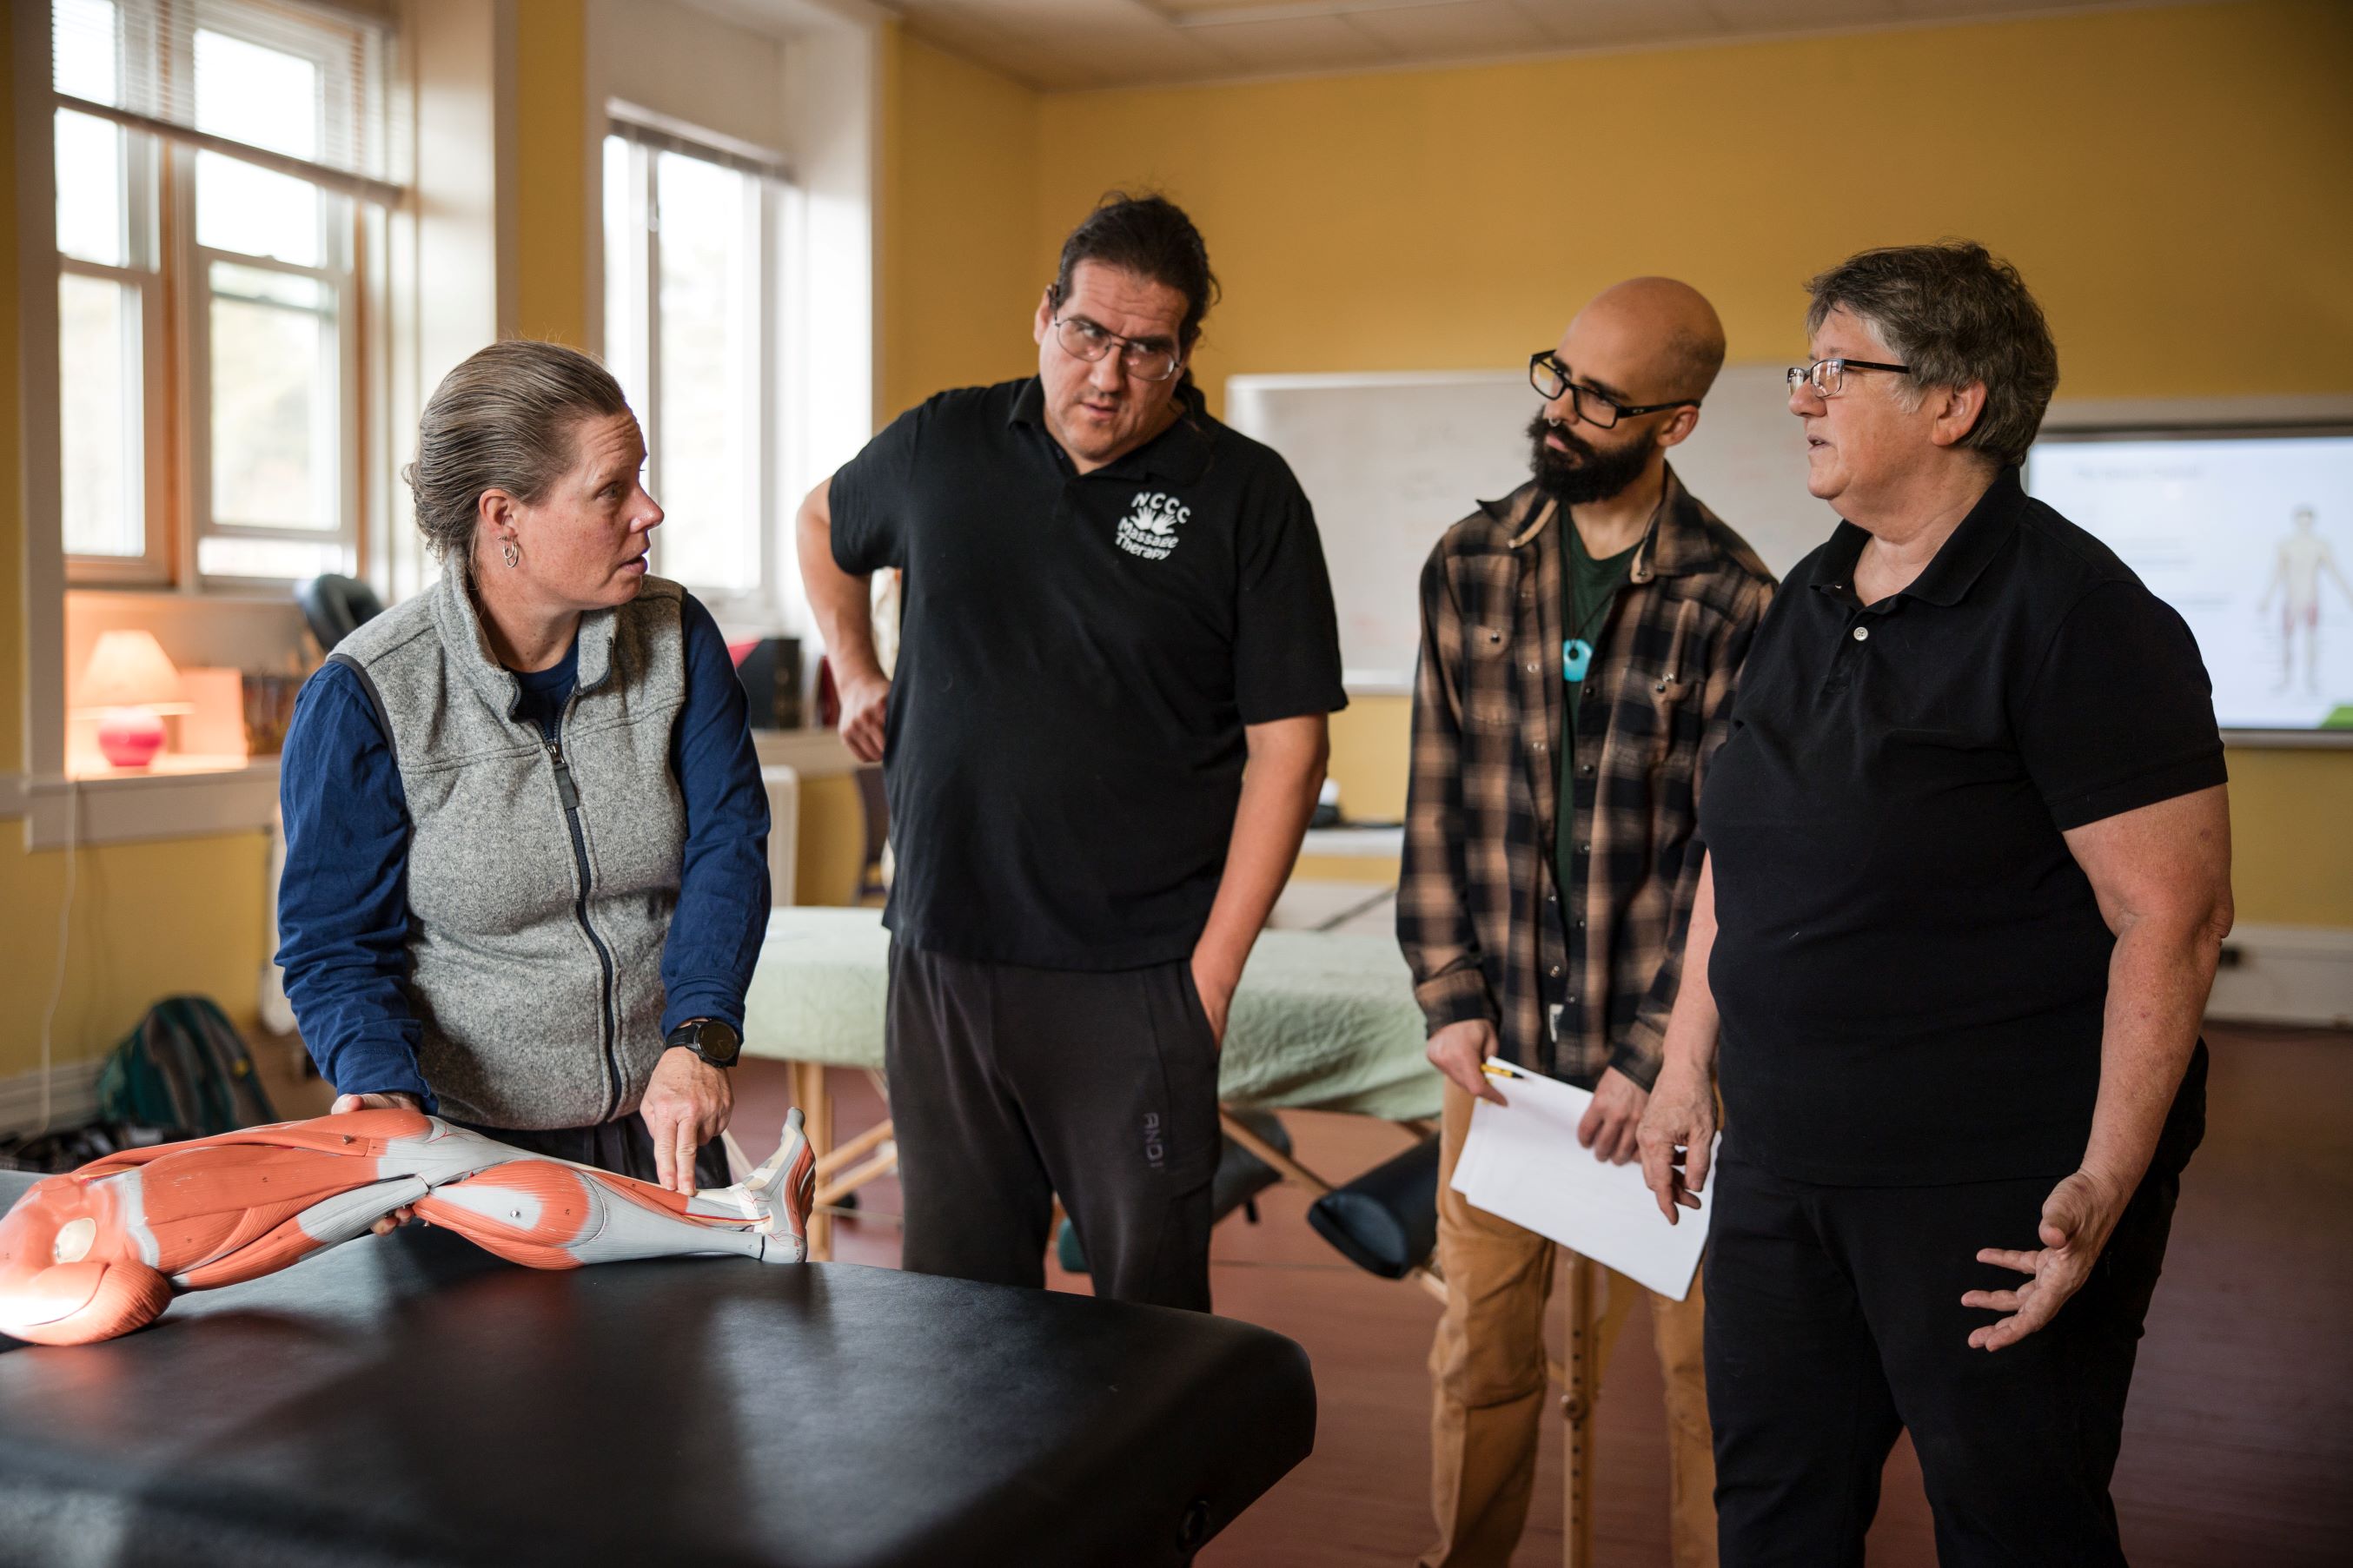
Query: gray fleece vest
point(541, 878)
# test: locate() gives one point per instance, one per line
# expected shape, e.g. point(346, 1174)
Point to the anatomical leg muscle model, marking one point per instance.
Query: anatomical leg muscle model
point(100, 1252)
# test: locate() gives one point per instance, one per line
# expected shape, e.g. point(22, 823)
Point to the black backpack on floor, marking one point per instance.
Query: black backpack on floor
point(185, 1070)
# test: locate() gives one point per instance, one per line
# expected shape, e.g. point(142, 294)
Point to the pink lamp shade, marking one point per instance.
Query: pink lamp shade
point(132, 682)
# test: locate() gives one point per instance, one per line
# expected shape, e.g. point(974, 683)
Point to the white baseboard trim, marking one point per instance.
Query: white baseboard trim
point(2285, 974)
point(73, 1097)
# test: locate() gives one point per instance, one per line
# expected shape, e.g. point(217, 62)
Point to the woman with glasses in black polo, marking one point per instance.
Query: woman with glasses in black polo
point(1967, 880)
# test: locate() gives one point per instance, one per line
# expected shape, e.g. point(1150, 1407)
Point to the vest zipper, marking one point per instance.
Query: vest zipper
point(570, 795)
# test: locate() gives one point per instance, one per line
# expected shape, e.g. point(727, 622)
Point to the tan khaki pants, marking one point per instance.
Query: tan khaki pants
point(1488, 1381)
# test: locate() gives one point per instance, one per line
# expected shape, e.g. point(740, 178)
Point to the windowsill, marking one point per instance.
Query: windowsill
point(179, 796)
point(233, 593)
point(169, 765)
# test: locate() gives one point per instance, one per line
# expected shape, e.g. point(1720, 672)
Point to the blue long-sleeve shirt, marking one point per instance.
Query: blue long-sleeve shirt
point(343, 902)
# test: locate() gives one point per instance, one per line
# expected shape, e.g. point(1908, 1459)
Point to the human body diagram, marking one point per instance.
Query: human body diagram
point(2304, 558)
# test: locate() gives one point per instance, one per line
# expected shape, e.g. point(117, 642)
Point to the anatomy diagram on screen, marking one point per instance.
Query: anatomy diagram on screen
point(100, 1251)
point(2304, 558)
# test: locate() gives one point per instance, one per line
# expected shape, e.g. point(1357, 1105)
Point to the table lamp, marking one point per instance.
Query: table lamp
point(131, 682)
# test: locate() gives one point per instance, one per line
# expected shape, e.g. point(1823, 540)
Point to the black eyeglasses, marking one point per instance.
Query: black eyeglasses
point(1827, 376)
point(1550, 378)
point(1146, 361)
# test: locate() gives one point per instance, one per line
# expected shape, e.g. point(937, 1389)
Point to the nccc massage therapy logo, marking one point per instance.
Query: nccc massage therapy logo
point(1149, 529)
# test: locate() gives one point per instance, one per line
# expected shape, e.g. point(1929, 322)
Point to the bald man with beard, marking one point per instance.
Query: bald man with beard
point(1580, 642)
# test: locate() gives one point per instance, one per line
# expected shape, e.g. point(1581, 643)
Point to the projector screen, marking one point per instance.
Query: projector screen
point(2249, 537)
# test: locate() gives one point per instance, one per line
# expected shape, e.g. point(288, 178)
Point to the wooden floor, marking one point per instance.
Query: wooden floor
point(2238, 1443)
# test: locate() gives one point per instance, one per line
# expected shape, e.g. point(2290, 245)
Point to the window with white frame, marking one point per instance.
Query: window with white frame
point(222, 185)
point(695, 234)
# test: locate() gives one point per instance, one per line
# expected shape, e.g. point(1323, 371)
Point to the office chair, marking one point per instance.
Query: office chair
point(336, 606)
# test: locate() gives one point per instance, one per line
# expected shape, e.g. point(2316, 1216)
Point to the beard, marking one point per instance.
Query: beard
point(1584, 473)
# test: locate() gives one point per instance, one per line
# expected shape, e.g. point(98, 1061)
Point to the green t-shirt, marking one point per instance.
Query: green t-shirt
point(1591, 587)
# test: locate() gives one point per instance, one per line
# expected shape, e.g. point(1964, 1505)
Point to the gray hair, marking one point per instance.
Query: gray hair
point(1956, 313)
point(502, 420)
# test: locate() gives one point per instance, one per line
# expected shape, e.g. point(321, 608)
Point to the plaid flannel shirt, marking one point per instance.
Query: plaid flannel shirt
point(1480, 915)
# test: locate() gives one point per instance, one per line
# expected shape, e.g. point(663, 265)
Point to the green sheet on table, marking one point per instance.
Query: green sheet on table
point(1323, 1021)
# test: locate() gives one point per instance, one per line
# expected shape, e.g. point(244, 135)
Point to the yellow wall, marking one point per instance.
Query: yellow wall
point(2292, 835)
point(12, 493)
point(1370, 746)
point(963, 262)
point(551, 201)
point(831, 841)
point(149, 920)
point(2172, 180)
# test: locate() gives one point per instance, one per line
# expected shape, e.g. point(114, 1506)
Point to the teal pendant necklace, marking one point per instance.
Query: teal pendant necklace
point(1576, 652)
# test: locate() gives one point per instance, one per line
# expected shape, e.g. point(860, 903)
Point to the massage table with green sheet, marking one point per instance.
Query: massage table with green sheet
point(1321, 1021)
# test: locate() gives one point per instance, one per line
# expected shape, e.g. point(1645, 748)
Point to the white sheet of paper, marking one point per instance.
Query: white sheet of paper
point(1521, 1163)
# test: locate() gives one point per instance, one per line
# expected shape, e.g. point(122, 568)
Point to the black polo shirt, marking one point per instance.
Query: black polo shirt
point(1078, 658)
point(1910, 966)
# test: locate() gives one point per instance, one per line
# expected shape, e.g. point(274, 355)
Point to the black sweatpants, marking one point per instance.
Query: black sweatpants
point(1834, 1320)
point(622, 1146)
point(1009, 1086)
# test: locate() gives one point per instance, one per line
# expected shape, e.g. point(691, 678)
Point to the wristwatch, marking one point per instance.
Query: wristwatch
point(712, 1039)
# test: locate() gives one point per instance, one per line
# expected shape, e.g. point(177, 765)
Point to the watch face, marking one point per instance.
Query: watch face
point(718, 1045)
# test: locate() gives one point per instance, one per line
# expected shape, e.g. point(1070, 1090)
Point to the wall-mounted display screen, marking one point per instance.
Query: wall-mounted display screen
point(2250, 536)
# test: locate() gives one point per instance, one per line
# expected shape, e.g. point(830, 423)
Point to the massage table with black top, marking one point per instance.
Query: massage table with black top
point(412, 1400)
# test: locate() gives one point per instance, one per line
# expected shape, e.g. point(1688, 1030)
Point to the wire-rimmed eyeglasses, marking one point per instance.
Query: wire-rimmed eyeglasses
point(1145, 359)
point(1550, 378)
point(1827, 376)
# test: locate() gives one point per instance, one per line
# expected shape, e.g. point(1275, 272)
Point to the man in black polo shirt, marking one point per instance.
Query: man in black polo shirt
point(1112, 603)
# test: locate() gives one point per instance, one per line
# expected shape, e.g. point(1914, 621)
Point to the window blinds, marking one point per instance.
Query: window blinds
point(308, 89)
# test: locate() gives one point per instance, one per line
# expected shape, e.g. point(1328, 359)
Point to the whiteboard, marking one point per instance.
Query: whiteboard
point(1391, 461)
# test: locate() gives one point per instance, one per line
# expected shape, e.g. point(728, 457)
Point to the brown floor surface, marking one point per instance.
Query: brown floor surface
point(2239, 1441)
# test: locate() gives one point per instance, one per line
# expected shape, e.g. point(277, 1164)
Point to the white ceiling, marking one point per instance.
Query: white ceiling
point(1066, 43)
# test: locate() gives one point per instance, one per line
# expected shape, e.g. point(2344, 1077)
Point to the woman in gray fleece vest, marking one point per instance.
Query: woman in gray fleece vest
point(526, 870)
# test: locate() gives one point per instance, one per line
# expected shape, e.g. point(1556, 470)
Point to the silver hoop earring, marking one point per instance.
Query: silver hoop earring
point(512, 556)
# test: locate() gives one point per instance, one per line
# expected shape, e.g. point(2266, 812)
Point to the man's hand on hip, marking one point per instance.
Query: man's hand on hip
point(865, 703)
point(1459, 1049)
point(1612, 1120)
point(687, 1104)
point(1217, 994)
